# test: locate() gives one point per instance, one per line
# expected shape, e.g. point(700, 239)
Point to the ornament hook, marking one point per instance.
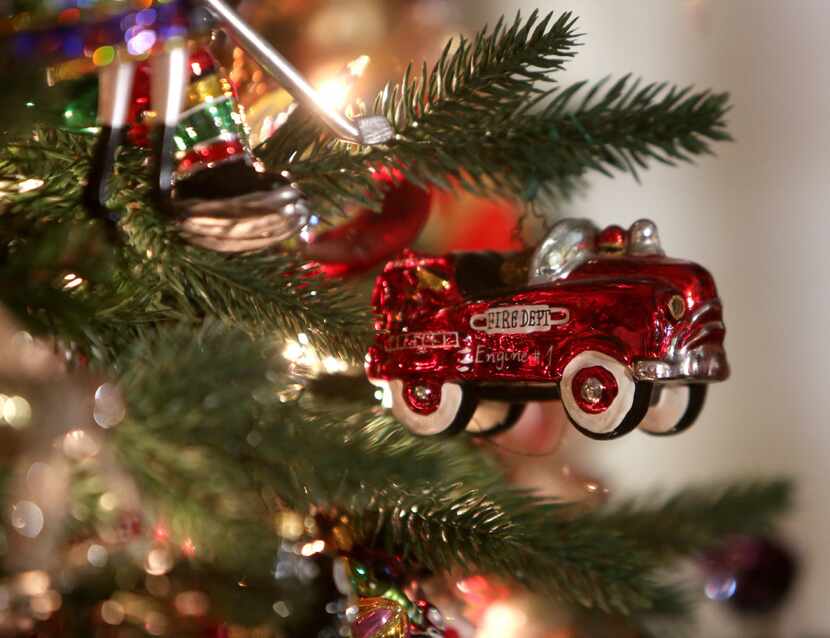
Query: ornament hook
point(364, 130)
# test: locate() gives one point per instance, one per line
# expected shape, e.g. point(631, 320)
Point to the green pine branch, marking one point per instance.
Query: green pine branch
point(213, 446)
point(497, 71)
point(153, 278)
point(483, 118)
point(217, 446)
point(674, 527)
point(499, 530)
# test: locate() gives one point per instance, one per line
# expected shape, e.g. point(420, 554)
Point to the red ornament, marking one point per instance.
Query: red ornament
point(372, 237)
point(463, 221)
point(622, 336)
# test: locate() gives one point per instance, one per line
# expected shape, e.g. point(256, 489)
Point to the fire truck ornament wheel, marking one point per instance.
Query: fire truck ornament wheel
point(426, 410)
point(494, 417)
point(601, 397)
point(676, 408)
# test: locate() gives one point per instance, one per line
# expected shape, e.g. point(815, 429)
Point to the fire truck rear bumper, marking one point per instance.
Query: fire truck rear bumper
point(706, 363)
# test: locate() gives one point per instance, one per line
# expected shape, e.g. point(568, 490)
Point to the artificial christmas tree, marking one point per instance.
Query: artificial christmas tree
point(221, 465)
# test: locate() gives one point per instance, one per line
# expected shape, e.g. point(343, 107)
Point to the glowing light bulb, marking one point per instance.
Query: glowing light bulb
point(314, 547)
point(29, 185)
point(334, 92)
point(501, 619)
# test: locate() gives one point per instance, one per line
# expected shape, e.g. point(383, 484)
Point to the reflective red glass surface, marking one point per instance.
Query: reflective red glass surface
point(467, 318)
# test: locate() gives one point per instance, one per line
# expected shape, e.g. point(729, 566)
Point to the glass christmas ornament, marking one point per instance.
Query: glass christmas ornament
point(389, 601)
point(380, 618)
point(753, 574)
point(622, 338)
point(115, 36)
point(223, 201)
point(430, 623)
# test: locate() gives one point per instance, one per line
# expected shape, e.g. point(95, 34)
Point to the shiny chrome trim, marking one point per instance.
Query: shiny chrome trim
point(693, 331)
point(704, 308)
point(703, 331)
point(705, 363)
point(584, 230)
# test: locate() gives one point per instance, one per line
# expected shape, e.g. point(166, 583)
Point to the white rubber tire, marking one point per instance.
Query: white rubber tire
point(609, 420)
point(669, 409)
point(440, 421)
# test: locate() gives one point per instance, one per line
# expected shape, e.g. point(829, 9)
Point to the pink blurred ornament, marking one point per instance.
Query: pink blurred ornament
point(538, 431)
point(479, 593)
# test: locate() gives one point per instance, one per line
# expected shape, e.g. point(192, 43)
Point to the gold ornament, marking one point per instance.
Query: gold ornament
point(380, 618)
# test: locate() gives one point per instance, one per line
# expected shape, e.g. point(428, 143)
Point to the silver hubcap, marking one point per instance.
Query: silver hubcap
point(592, 390)
point(422, 392)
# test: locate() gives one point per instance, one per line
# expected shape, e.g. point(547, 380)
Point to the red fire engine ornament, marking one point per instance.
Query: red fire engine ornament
point(603, 321)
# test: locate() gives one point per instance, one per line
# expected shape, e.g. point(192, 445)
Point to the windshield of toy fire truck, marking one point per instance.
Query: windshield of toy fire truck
point(568, 244)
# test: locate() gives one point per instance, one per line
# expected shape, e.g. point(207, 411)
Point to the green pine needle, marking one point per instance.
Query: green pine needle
point(153, 278)
point(441, 503)
point(482, 117)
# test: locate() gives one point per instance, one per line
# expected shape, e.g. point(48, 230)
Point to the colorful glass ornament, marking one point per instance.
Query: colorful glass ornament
point(371, 237)
point(387, 600)
point(228, 204)
point(380, 618)
point(211, 128)
point(623, 336)
point(236, 211)
point(430, 622)
point(753, 574)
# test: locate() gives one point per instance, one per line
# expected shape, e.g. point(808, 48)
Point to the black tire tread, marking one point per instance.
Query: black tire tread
point(697, 397)
point(513, 415)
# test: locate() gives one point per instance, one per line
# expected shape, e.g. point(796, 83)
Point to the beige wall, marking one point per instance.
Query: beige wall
point(757, 217)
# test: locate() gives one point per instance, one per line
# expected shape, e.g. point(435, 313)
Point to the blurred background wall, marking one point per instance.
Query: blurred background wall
point(756, 216)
